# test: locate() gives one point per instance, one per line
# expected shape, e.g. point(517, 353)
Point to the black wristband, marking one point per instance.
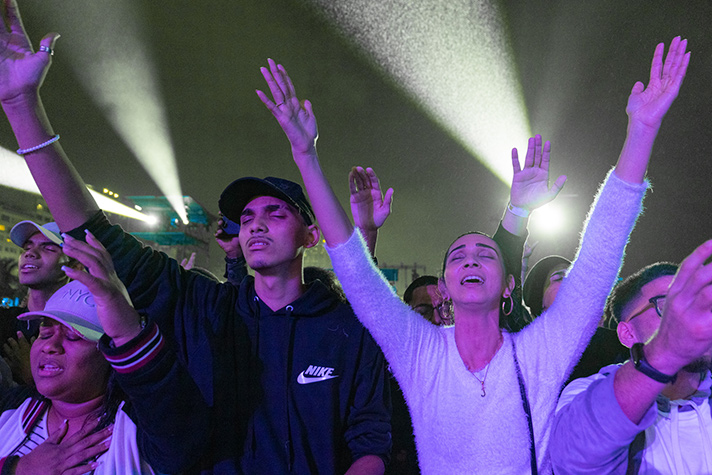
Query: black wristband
point(637, 356)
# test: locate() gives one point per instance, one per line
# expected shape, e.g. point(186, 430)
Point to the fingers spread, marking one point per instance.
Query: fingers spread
point(388, 199)
point(558, 184)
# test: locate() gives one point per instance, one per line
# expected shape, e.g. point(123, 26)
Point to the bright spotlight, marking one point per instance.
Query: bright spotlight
point(17, 175)
point(550, 219)
point(105, 43)
point(453, 58)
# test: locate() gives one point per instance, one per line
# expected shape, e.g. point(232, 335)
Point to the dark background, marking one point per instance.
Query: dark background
point(578, 59)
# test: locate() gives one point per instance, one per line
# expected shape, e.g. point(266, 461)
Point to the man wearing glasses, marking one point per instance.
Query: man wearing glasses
point(652, 413)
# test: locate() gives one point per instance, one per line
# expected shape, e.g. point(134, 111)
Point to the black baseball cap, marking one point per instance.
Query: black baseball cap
point(235, 197)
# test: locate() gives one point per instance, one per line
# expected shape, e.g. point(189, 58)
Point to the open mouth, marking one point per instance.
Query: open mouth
point(257, 243)
point(472, 279)
point(49, 369)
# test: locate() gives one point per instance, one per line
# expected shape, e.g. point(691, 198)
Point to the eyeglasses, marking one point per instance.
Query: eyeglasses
point(658, 302)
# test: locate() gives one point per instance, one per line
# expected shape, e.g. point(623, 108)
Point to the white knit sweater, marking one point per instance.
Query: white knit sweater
point(456, 430)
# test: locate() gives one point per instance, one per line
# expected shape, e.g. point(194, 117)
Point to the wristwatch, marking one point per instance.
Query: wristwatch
point(637, 356)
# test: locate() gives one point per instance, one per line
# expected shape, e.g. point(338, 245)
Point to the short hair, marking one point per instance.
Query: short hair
point(326, 277)
point(630, 287)
point(422, 281)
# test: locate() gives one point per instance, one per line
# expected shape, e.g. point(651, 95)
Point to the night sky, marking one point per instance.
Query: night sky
point(576, 62)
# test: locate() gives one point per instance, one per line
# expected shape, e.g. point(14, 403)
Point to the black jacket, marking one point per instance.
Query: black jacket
point(299, 390)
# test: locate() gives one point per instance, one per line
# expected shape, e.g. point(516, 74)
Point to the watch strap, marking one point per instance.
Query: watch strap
point(637, 355)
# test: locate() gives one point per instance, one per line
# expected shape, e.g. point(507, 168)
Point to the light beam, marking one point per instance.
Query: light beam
point(105, 44)
point(17, 175)
point(453, 59)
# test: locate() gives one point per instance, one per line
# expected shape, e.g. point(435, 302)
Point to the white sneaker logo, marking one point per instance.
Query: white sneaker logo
point(314, 374)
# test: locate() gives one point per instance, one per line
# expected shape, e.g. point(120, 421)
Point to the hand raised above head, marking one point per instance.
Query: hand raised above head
point(530, 185)
point(118, 318)
point(369, 207)
point(648, 105)
point(296, 118)
point(21, 70)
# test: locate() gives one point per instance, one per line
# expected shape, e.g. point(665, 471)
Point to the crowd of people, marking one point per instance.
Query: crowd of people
point(125, 361)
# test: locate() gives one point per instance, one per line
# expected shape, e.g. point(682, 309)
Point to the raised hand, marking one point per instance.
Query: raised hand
point(118, 318)
point(296, 118)
point(530, 185)
point(71, 455)
point(648, 105)
point(21, 69)
point(369, 207)
point(685, 332)
point(188, 262)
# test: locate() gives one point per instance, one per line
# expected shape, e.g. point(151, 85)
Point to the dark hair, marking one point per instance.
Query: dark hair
point(326, 277)
point(630, 288)
point(533, 289)
point(442, 271)
point(422, 281)
point(113, 398)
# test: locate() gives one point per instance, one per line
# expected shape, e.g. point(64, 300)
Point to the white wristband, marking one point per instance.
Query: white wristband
point(517, 211)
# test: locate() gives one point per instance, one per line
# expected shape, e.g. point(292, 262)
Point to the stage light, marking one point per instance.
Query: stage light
point(549, 220)
point(17, 175)
point(453, 58)
point(105, 43)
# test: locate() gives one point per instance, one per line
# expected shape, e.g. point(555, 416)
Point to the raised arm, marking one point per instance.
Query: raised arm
point(22, 72)
point(147, 369)
point(648, 105)
point(587, 430)
point(646, 108)
point(299, 124)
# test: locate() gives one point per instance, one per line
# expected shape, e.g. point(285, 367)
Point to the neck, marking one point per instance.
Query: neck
point(278, 289)
point(37, 297)
point(478, 337)
point(76, 414)
point(684, 386)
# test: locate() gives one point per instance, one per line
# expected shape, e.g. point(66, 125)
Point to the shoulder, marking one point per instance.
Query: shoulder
point(580, 385)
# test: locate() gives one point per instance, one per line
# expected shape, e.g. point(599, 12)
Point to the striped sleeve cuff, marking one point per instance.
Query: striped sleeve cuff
point(135, 354)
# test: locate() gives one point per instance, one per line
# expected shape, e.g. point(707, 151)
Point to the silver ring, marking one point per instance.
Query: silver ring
point(46, 49)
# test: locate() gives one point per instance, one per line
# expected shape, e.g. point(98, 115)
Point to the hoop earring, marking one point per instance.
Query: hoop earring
point(446, 312)
point(511, 306)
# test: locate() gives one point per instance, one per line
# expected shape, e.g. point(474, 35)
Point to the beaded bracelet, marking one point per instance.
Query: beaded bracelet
point(24, 151)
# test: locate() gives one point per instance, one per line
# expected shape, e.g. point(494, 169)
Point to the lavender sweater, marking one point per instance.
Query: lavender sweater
point(456, 430)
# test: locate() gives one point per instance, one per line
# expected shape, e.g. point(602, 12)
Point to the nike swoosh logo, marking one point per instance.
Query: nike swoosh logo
point(301, 379)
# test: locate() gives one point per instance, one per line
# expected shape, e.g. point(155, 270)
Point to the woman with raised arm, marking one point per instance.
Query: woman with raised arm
point(481, 398)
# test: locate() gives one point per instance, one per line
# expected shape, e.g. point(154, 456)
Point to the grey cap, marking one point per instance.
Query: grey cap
point(21, 232)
